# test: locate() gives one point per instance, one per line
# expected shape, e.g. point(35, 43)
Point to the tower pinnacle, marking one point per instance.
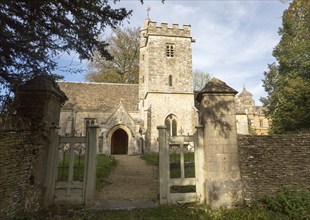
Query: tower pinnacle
point(148, 9)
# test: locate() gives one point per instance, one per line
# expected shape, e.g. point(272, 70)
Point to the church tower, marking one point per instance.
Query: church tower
point(165, 80)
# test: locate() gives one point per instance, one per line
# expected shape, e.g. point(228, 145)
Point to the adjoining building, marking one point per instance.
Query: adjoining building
point(250, 118)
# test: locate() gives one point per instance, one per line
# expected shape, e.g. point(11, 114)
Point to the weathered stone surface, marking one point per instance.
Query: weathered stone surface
point(40, 99)
point(215, 86)
point(104, 97)
point(250, 118)
point(222, 174)
point(24, 146)
point(268, 163)
point(22, 167)
point(165, 81)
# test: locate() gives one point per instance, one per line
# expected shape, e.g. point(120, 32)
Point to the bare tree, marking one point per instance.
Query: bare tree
point(200, 79)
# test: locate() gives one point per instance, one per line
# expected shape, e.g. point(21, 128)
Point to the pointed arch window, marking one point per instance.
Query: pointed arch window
point(171, 124)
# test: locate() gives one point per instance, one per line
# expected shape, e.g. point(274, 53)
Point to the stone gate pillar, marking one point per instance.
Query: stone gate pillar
point(217, 115)
point(39, 100)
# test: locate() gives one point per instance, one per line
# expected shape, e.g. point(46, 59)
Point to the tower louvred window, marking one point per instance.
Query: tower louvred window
point(170, 50)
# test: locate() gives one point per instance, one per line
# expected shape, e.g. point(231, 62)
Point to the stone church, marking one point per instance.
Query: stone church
point(128, 114)
point(250, 118)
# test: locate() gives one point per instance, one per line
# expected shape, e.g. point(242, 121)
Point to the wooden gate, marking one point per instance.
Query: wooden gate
point(181, 167)
point(71, 170)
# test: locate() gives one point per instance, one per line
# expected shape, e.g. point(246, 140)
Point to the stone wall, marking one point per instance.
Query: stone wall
point(162, 105)
point(268, 163)
point(22, 166)
point(24, 146)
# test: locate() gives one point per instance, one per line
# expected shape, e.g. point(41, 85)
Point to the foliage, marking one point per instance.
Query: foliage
point(290, 202)
point(105, 164)
point(200, 79)
point(34, 33)
point(287, 204)
point(244, 212)
point(124, 65)
point(287, 82)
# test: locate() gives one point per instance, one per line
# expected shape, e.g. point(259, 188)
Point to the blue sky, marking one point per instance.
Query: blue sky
point(234, 38)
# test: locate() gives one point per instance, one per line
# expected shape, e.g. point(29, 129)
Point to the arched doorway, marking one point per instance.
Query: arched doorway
point(119, 142)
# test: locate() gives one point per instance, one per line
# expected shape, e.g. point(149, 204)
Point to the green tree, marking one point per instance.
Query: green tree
point(200, 79)
point(124, 65)
point(33, 33)
point(287, 82)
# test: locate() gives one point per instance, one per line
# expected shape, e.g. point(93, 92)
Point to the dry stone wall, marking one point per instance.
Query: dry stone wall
point(22, 166)
point(269, 163)
point(24, 141)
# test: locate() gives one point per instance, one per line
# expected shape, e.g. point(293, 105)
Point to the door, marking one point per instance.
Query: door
point(119, 142)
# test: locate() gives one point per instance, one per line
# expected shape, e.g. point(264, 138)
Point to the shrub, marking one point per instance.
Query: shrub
point(293, 203)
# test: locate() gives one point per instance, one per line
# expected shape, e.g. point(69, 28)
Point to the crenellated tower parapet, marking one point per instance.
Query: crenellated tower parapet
point(151, 28)
point(165, 30)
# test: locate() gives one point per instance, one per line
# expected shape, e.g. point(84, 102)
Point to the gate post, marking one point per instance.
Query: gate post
point(51, 170)
point(40, 100)
point(199, 165)
point(164, 169)
point(90, 166)
point(222, 173)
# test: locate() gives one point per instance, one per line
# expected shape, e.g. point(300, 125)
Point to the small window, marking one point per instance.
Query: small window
point(171, 124)
point(88, 122)
point(261, 123)
point(170, 50)
point(170, 80)
point(69, 124)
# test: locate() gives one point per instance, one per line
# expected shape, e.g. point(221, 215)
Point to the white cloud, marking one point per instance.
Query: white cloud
point(182, 10)
point(234, 39)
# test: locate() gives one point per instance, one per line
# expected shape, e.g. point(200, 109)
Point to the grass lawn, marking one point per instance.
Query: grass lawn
point(105, 164)
point(285, 205)
point(175, 170)
point(151, 159)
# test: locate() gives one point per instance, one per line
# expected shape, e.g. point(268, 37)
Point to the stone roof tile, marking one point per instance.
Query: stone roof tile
point(215, 86)
point(100, 96)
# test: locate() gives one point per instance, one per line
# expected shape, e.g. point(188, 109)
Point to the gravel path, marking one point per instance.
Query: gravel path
point(133, 184)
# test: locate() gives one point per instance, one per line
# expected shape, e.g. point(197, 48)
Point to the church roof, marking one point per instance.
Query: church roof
point(100, 96)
